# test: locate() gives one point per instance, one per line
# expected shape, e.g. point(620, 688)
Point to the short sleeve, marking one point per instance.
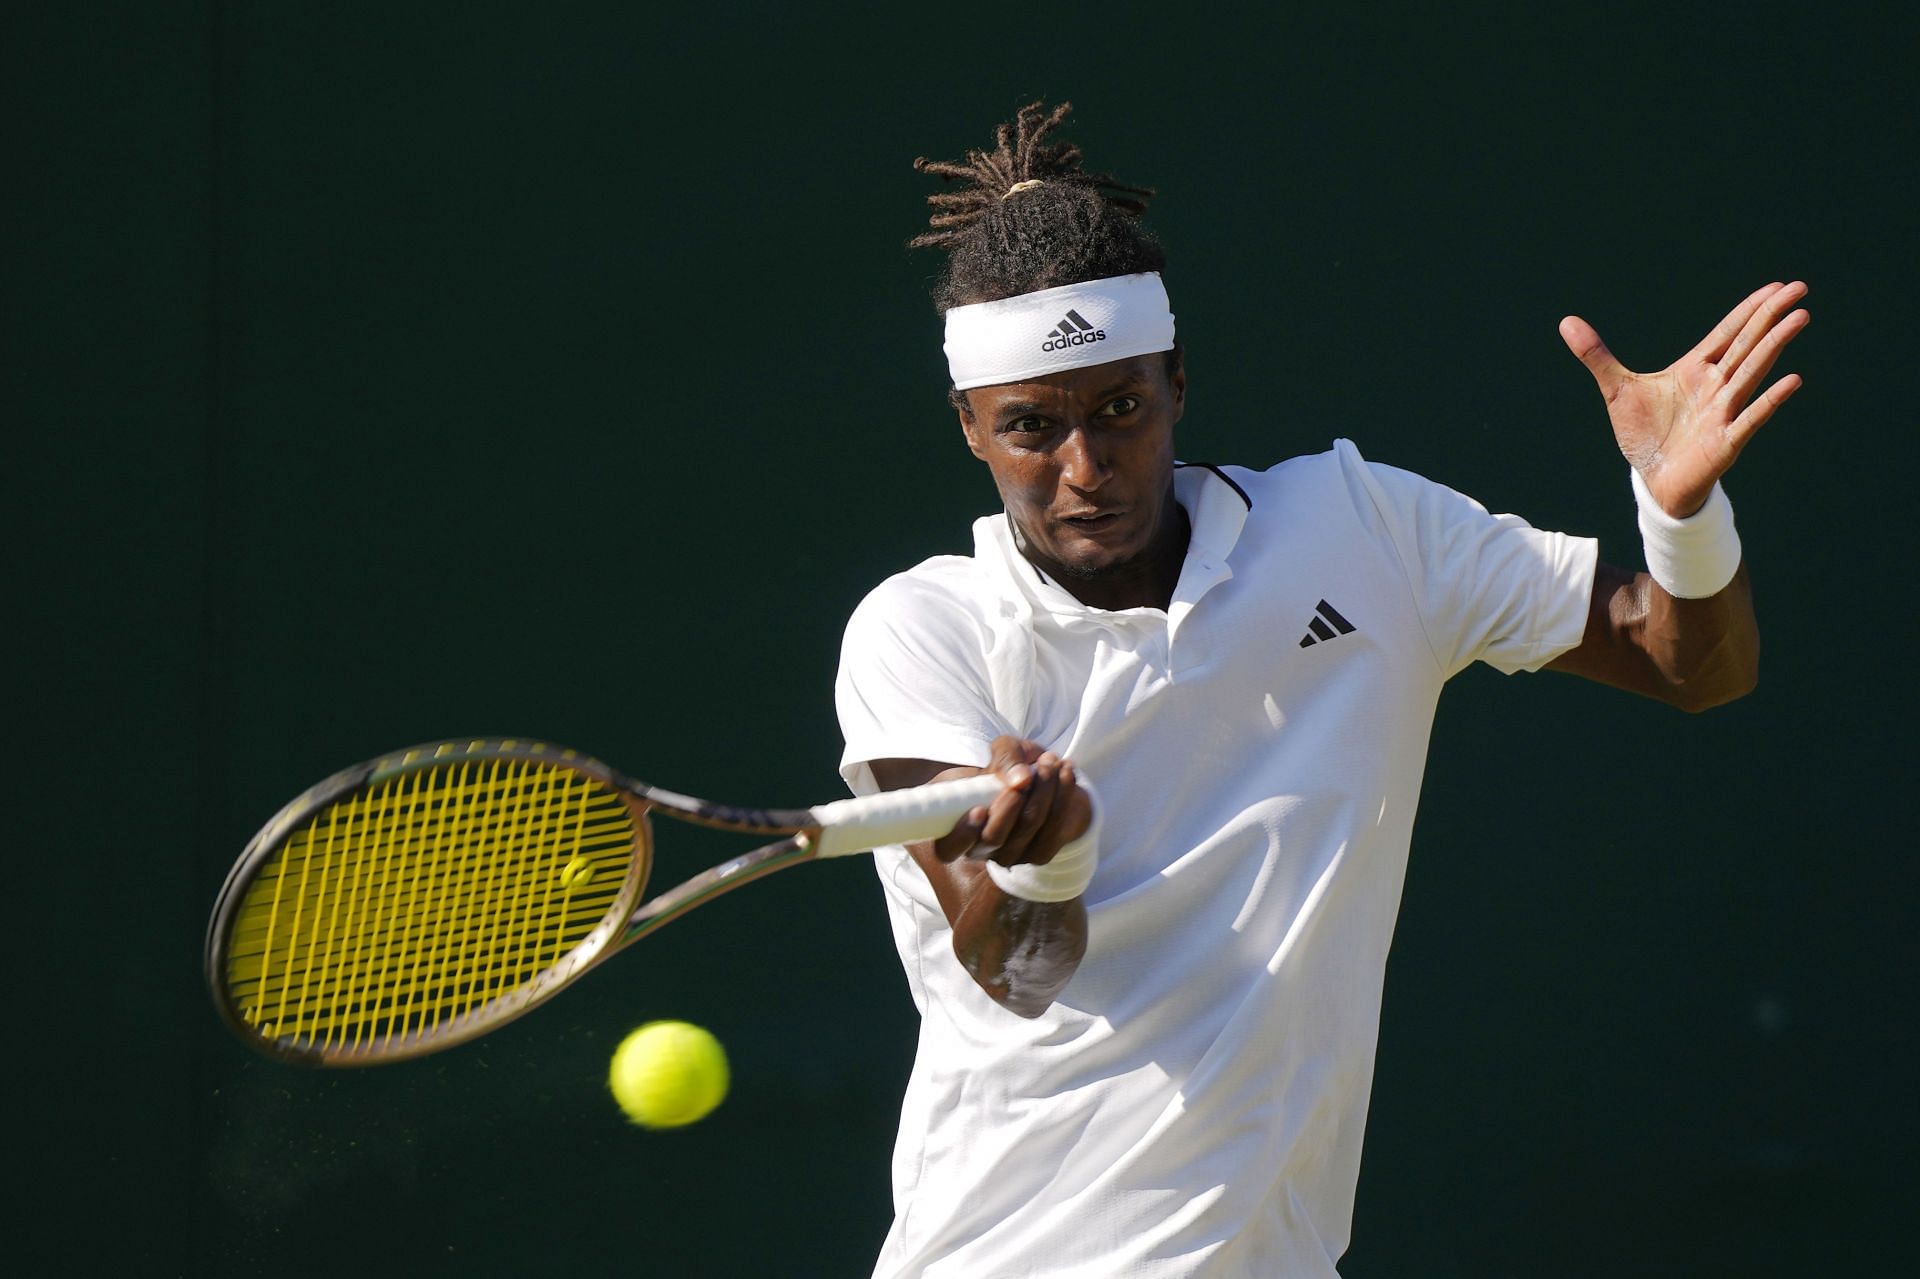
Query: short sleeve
point(913, 682)
point(1489, 588)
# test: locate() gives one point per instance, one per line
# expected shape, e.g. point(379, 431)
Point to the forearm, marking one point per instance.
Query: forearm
point(1690, 653)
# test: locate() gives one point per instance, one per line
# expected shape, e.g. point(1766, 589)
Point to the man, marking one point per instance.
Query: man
point(1148, 1022)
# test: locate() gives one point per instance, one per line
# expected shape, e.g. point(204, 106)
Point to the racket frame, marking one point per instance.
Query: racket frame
point(626, 920)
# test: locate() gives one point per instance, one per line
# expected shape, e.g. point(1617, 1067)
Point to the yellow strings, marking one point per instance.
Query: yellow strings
point(424, 898)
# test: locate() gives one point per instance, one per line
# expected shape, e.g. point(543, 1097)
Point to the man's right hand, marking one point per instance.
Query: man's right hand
point(1043, 809)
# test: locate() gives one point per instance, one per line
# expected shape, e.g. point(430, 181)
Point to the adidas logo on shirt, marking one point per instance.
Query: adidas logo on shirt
point(1325, 624)
point(1072, 331)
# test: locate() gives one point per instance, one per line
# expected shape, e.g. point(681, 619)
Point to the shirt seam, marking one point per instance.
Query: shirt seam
point(1400, 558)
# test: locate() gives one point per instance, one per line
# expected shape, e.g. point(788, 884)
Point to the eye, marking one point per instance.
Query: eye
point(1121, 406)
point(1027, 425)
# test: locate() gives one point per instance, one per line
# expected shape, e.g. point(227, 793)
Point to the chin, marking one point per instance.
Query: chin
point(1081, 570)
point(1094, 563)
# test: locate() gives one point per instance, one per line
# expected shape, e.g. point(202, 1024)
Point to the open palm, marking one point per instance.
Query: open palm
point(1682, 427)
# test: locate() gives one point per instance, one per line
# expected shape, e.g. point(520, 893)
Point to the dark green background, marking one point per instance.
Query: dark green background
point(379, 373)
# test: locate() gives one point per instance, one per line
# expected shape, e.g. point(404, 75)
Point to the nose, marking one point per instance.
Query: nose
point(1082, 459)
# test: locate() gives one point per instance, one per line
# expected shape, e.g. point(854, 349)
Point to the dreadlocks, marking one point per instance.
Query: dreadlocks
point(1031, 218)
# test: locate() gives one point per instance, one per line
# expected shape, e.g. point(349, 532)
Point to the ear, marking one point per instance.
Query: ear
point(970, 429)
point(1177, 383)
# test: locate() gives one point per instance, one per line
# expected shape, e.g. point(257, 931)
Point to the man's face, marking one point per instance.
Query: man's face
point(1084, 462)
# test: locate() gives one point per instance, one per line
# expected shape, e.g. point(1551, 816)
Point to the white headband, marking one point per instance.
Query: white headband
point(1069, 327)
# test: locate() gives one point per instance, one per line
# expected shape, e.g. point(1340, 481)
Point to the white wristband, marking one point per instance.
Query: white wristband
point(1066, 876)
point(1691, 558)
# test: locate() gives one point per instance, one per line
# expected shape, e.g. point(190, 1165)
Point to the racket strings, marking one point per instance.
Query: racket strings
point(409, 905)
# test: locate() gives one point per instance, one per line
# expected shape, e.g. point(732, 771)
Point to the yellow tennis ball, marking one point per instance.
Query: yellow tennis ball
point(668, 1073)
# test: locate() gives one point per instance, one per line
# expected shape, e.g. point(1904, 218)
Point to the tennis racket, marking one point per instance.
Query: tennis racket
point(419, 900)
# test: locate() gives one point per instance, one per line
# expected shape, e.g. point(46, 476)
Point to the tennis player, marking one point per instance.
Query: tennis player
point(1149, 1022)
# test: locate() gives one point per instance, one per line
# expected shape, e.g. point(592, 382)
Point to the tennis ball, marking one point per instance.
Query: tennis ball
point(668, 1073)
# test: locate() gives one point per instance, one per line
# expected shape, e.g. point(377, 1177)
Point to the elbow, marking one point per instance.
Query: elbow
point(1028, 998)
point(1696, 696)
point(1696, 703)
point(1028, 1005)
point(1725, 672)
point(1024, 962)
point(1034, 996)
point(1029, 989)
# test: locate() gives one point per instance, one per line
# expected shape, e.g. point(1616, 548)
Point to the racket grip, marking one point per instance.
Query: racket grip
point(899, 816)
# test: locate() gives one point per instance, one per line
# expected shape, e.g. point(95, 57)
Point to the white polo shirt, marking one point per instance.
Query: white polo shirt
point(1194, 1102)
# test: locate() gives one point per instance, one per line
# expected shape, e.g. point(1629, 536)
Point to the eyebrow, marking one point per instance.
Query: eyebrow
point(1020, 408)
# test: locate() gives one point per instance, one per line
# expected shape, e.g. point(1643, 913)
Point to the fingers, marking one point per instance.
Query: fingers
point(1765, 320)
point(985, 828)
point(1743, 427)
point(1030, 772)
point(1052, 817)
point(1049, 820)
point(1005, 811)
point(1010, 752)
point(965, 834)
point(1747, 378)
point(1749, 360)
point(1027, 823)
point(1582, 339)
point(1019, 816)
point(1744, 378)
point(1715, 344)
point(1068, 817)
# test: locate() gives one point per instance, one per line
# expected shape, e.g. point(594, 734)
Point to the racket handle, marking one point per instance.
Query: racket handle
point(899, 816)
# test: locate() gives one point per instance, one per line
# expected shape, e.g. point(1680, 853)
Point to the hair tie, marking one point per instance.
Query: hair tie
point(1021, 186)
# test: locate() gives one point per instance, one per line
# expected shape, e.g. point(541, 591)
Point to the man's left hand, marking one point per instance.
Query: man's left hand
point(1682, 427)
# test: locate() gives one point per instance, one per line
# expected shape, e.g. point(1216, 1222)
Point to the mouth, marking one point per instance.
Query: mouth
point(1093, 521)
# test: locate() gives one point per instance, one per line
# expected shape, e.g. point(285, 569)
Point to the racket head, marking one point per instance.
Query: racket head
point(421, 899)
